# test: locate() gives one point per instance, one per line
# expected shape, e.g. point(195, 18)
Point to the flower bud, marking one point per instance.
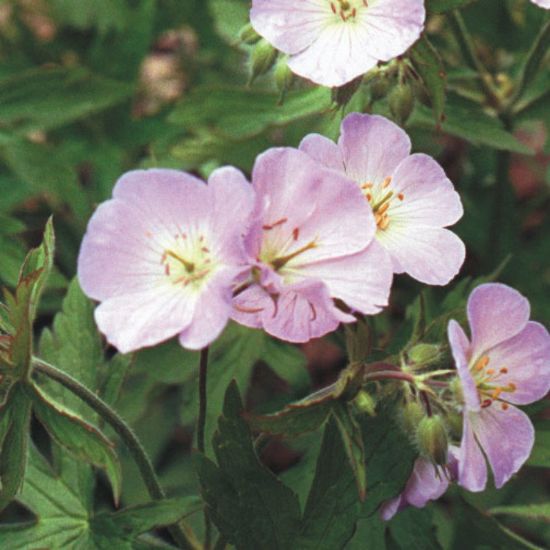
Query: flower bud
point(424, 354)
point(248, 35)
point(284, 77)
point(431, 437)
point(455, 422)
point(411, 416)
point(365, 402)
point(262, 59)
point(401, 102)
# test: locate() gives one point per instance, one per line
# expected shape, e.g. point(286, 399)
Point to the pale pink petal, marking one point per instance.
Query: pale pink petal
point(231, 201)
point(507, 437)
point(362, 280)
point(252, 305)
point(302, 202)
point(525, 360)
point(338, 55)
point(424, 484)
point(429, 254)
point(392, 26)
point(118, 237)
point(391, 507)
point(290, 26)
point(134, 321)
point(496, 312)
point(542, 3)
point(372, 147)
point(429, 197)
point(212, 311)
point(472, 469)
point(303, 311)
point(324, 151)
point(460, 348)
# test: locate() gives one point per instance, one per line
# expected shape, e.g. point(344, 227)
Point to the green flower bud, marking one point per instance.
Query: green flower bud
point(411, 416)
point(284, 77)
point(248, 35)
point(431, 438)
point(263, 57)
point(401, 101)
point(455, 421)
point(365, 402)
point(424, 354)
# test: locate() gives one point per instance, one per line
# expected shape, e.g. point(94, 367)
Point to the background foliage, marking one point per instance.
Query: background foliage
point(92, 88)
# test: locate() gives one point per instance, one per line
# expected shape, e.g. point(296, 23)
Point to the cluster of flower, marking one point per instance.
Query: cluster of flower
point(170, 255)
point(506, 363)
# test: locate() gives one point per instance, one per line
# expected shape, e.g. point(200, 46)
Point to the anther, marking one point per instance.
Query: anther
point(504, 406)
point(384, 222)
point(333, 7)
point(490, 371)
point(383, 208)
point(504, 370)
point(400, 196)
point(486, 403)
point(296, 233)
point(482, 363)
point(369, 197)
point(270, 226)
point(511, 387)
point(386, 183)
point(497, 392)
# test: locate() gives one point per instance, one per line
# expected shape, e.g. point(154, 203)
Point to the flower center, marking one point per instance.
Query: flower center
point(380, 197)
point(489, 386)
point(280, 246)
point(348, 9)
point(187, 262)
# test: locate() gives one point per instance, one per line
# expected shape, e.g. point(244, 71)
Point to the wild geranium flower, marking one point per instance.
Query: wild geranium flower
point(310, 243)
point(162, 255)
point(506, 363)
point(427, 482)
point(542, 3)
point(411, 197)
point(331, 42)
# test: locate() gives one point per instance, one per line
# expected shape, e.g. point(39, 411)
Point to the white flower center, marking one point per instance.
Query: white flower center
point(188, 262)
point(347, 10)
point(380, 197)
point(486, 379)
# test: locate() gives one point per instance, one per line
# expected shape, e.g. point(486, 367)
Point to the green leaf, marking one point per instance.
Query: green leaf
point(247, 503)
point(413, 529)
point(352, 439)
point(64, 521)
point(229, 17)
point(45, 98)
point(105, 15)
point(528, 511)
point(233, 356)
point(82, 439)
point(16, 416)
point(122, 527)
point(441, 6)
point(239, 113)
point(293, 420)
point(473, 125)
point(332, 506)
point(429, 66)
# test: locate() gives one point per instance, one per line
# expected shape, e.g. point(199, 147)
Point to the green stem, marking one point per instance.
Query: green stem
point(467, 47)
point(201, 429)
point(182, 534)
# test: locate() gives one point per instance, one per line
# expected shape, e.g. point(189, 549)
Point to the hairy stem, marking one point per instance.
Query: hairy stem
point(181, 533)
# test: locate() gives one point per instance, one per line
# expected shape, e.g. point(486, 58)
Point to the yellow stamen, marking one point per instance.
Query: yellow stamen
point(386, 182)
point(482, 363)
point(278, 263)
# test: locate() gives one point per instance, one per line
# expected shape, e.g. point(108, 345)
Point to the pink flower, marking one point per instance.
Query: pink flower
point(506, 363)
point(542, 3)
point(412, 199)
point(331, 42)
point(310, 243)
point(162, 255)
point(427, 482)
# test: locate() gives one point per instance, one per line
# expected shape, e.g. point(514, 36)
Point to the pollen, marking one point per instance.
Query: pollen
point(505, 406)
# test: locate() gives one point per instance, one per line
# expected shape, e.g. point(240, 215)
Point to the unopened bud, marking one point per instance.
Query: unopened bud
point(262, 59)
point(431, 437)
point(365, 402)
point(284, 77)
point(401, 101)
point(455, 423)
point(248, 35)
point(411, 416)
point(380, 87)
point(424, 354)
